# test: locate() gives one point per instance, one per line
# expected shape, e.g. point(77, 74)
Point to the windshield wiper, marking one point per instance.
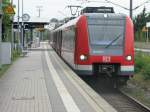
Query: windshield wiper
point(113, 41)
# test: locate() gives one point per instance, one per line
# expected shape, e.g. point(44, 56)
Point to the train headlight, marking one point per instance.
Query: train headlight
point(129, 58)
point(83, 57)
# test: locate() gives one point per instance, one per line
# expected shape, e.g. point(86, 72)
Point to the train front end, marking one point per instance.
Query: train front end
point(105, 45)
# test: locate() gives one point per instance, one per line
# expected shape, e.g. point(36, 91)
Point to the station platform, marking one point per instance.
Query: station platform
point(42, 82)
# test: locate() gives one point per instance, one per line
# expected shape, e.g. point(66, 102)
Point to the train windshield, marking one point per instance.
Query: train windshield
point(103, 31)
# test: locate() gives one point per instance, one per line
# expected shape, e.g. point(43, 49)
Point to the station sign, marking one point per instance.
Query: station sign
point(145, 29)
point(40, 26)
point(148, 24)
point(9, 10)
point(40, 29)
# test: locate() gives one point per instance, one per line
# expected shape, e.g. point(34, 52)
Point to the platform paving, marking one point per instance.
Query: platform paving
point(39, 83)
point(23, 87)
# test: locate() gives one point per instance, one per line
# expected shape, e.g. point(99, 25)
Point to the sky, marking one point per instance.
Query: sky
point(58, 8)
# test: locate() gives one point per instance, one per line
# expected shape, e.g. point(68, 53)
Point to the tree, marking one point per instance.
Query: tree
point(6, 25)
point(139, 22)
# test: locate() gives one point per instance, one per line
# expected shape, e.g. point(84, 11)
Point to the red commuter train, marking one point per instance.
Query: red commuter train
point(97, 43)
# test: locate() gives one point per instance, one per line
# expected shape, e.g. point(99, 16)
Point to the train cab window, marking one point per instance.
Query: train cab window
point(106, 35)
point(103, 31)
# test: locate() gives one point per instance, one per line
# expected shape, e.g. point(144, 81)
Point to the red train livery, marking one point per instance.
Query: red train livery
point(97, 43)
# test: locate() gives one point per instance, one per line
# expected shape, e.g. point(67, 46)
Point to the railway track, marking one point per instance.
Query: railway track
point(117, 98)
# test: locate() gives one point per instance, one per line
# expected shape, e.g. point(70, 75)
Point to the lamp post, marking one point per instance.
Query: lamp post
point(22, 27)
point(19, 24)
point(0, 30)
point(39, 9)
point(12, 32)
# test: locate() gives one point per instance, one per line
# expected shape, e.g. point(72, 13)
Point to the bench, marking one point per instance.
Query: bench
point(24, 51)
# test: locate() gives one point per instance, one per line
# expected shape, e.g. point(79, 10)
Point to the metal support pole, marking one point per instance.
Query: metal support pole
point(131, 11)
point(19, 24)
point(0, 32)
point(22, 29)
point(12, 33)
point(147, 36)
point(39, 8)
point(0, 39)
point(31, 35)
point(39, 12)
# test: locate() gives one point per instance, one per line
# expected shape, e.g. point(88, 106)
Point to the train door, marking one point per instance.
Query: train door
point(60, 42)
point(54, 40)
point(57, 43)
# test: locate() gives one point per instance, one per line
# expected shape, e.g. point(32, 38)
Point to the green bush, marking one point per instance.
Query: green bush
point(15, 54)
point(142, 65)
point(146, 72)
point(138, 62)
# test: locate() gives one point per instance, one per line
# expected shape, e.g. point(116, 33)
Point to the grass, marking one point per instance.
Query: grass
point(142, 65)
point(138, 94)
point(4, 69)
point(139, 86)
point(139, 80)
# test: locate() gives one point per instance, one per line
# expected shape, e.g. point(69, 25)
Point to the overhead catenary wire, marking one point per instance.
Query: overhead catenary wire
point(71, 10)
point(131, 9)
point(108, 1)
point(141, 4)
point(60, 12)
